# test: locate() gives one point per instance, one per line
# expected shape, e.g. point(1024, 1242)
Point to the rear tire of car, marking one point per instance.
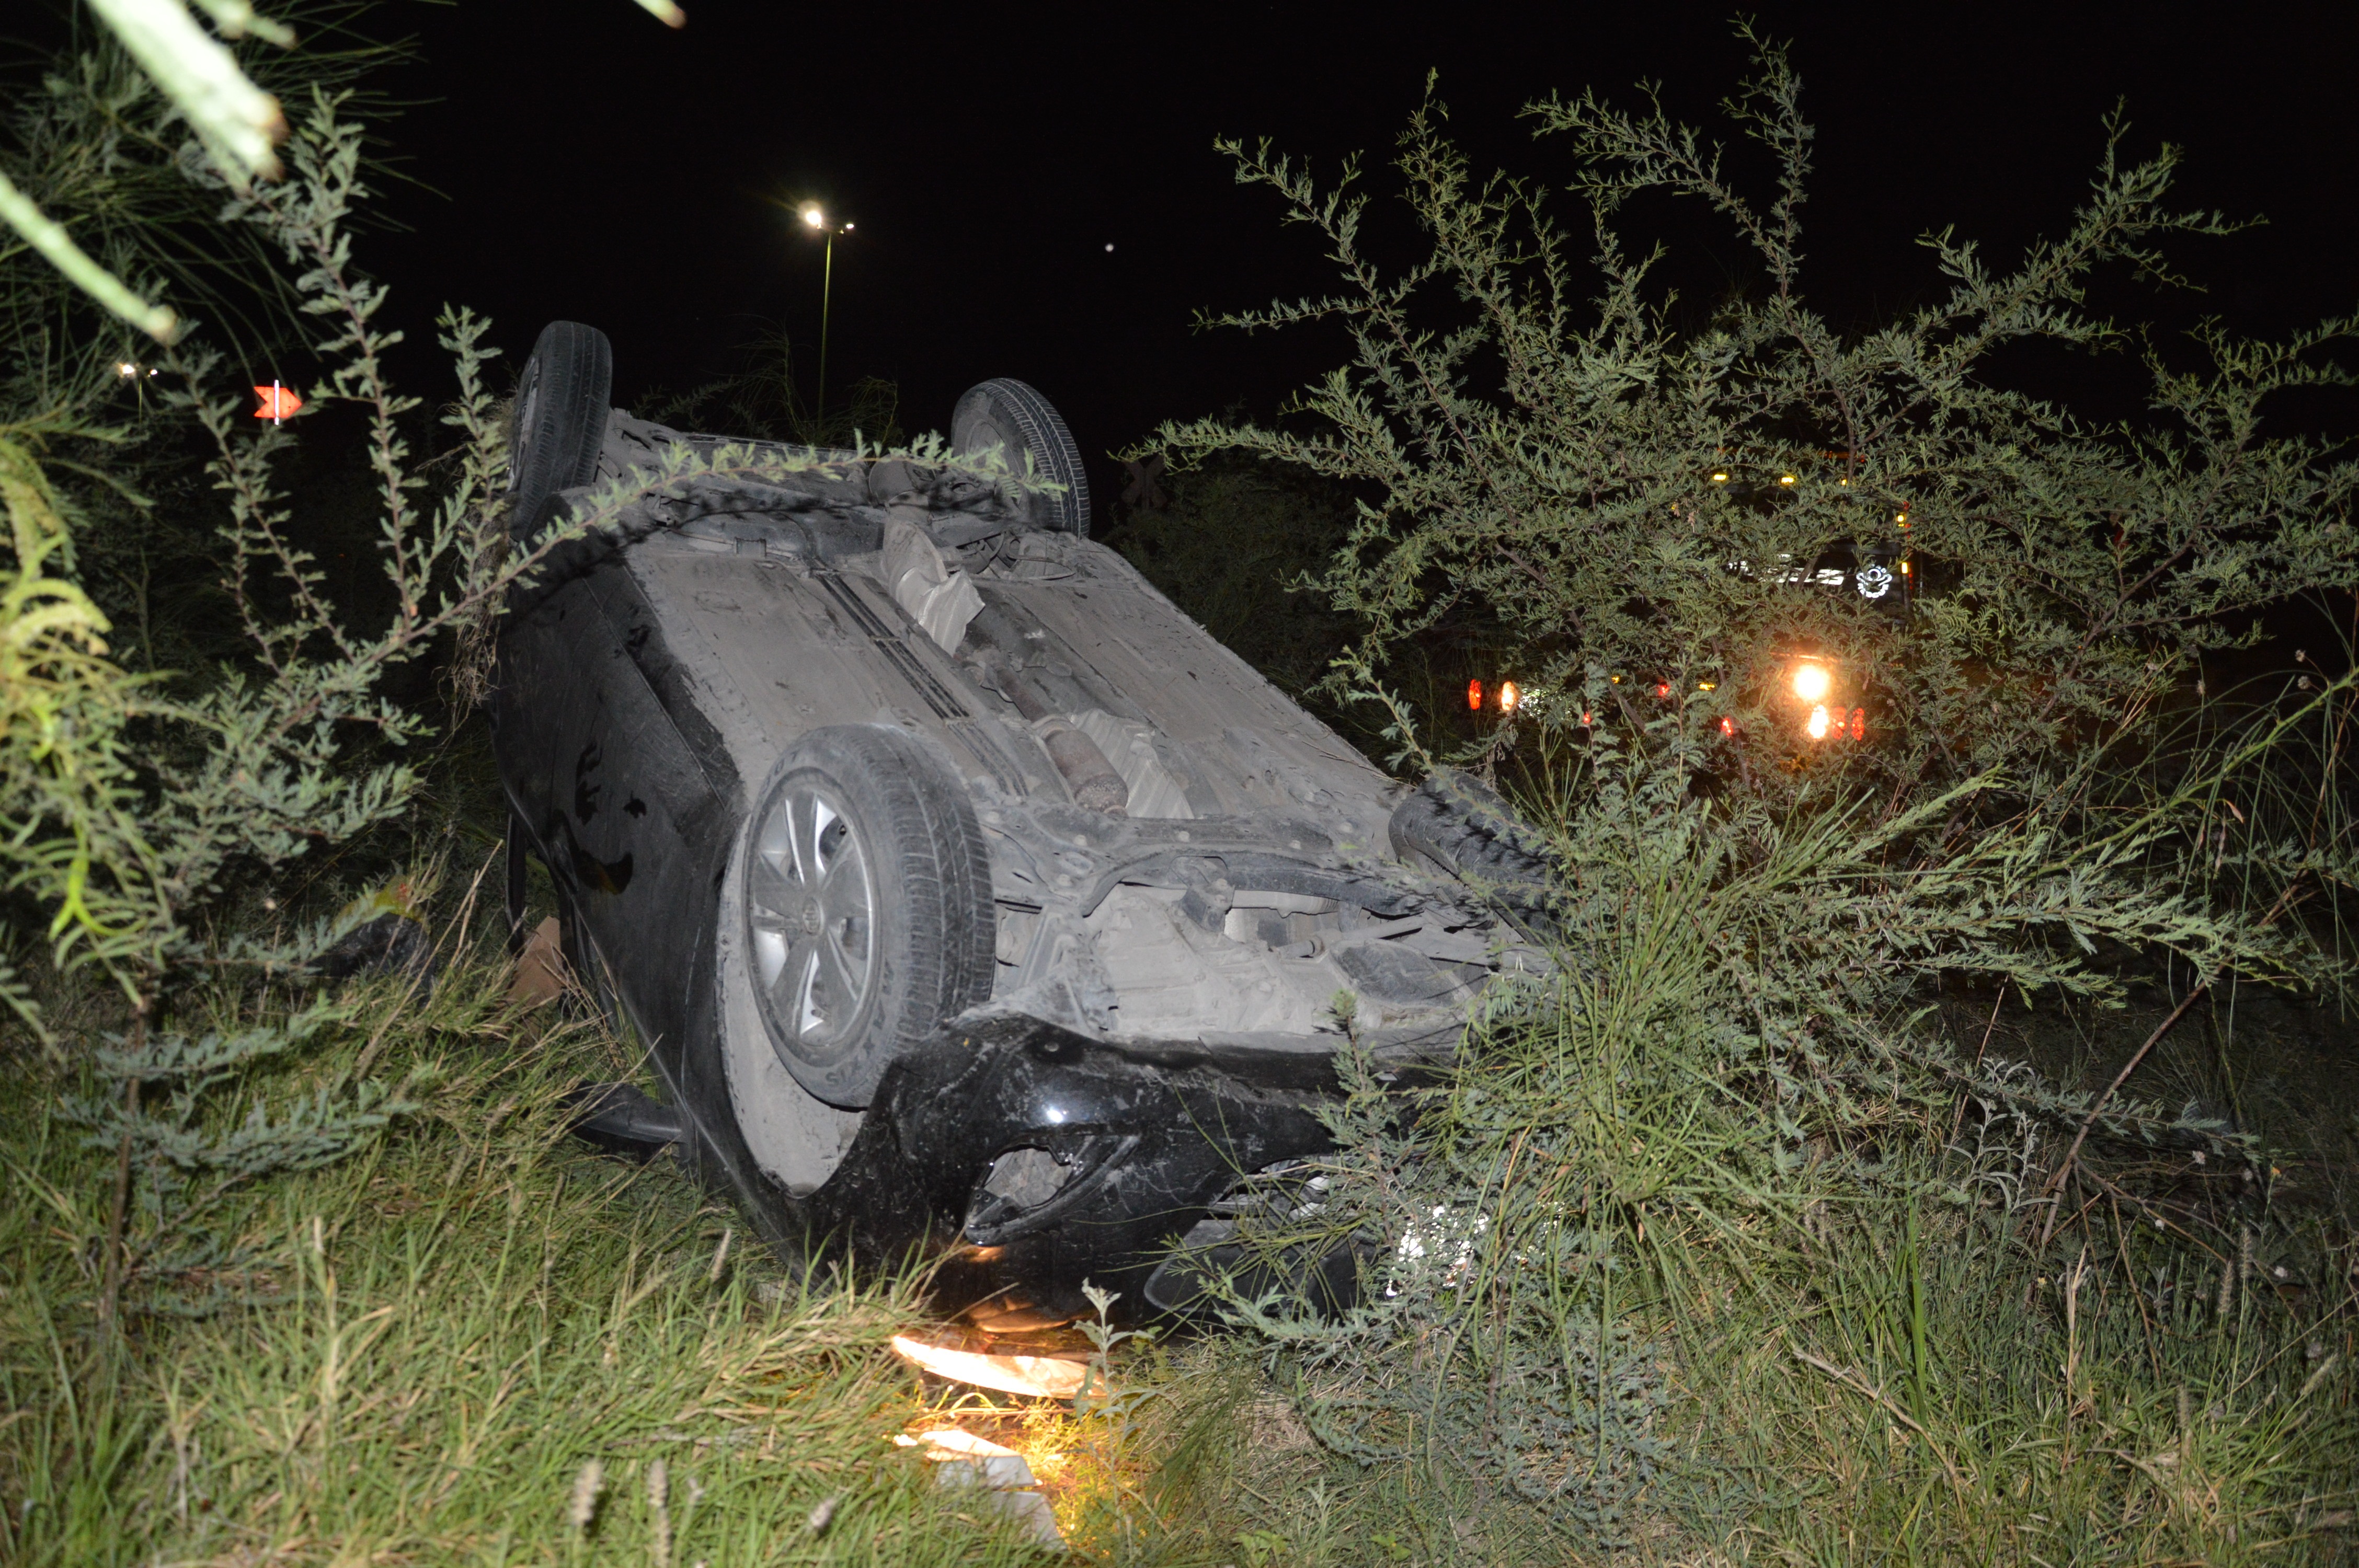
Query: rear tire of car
point(1013, 416)
point(863, 918)
point(1455, 824)
point(560, 421)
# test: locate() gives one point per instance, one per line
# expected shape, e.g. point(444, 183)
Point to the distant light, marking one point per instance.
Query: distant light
point(1720, 479)
point(1508, 696)
point(1817, 724)
point(849, 227)
point(1475, 696)
point(1662, 688)
point(1109, 250)
point(125, 369)
point(1904, 565)
point(1587, 719)
point(1901, 518)
point(1707, 685)
point(814, 217)
point(1728, 726)
point(1785, 478)
point(1811, 683)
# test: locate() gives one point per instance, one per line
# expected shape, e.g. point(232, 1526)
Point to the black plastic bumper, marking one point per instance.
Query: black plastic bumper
point(1148, 1132)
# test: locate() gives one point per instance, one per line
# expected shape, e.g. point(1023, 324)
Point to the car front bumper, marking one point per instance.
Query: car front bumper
point(1145, 1133)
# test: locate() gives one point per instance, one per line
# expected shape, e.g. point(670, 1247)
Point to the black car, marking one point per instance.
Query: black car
point(965, 891)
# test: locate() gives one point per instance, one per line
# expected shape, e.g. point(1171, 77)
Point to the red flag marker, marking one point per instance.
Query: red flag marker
point(278, 402)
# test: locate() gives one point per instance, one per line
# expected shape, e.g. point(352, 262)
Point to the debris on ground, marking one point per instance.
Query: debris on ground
point(1004, 1476)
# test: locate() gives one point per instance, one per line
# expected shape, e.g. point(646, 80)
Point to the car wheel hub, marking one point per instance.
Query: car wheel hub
point(810, 904)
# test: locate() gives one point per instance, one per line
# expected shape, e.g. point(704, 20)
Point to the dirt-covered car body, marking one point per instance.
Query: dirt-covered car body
point(1153, 1006)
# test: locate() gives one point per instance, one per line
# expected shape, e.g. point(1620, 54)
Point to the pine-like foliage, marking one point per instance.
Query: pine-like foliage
point(1626, 500)
point(136, 808)
point(1751, 925)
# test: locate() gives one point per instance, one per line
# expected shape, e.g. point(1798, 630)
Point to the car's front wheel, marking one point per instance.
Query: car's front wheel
point(860, 914)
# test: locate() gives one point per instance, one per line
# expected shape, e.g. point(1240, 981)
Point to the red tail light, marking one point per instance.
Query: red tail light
point(1475, 696)
point(1728, 726)
point(1859, 723)
point(1662, 688)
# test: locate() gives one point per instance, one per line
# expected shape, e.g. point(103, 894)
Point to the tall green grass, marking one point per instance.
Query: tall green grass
point(438, 1337)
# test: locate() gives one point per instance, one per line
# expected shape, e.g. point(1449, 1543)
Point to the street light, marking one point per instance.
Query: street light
point(816, 217)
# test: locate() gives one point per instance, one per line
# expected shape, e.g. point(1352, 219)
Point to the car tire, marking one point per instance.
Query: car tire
point(560, 420)
point(1011, 415)
point(863, 918)
point(1455, 823)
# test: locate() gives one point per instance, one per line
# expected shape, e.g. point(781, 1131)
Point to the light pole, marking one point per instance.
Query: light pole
point(817, 219)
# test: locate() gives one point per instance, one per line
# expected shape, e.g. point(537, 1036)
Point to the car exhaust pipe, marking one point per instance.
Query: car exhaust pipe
point(1096, 784)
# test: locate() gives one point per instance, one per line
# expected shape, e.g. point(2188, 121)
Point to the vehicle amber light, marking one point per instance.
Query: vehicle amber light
point(1508, 696)
point(1859, 723)
point(1817, 727)
point(1475, 696)
point(1810, 682)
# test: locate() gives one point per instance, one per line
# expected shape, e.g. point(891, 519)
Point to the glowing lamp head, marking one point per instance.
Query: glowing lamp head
point(1817, 727)
point(814, 217)
point(1508, 696)
point(1811, 683)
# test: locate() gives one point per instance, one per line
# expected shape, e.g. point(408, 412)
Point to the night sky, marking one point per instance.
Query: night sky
point(592, 164)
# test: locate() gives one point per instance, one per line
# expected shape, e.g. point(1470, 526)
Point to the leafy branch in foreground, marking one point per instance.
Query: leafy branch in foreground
point(134, 807)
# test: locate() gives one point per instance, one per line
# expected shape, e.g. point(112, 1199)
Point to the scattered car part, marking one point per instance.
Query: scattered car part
point(621, 1119)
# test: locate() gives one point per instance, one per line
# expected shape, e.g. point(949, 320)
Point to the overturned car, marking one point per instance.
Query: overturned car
point(965, 891)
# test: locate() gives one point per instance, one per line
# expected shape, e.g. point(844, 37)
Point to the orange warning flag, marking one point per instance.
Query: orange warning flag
point(278, 402)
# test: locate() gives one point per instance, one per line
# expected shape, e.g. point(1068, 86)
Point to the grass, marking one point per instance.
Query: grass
point(436, 1339)
point(440, 1335)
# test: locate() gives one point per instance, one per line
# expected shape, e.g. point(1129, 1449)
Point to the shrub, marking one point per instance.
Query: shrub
point(1727, 1131)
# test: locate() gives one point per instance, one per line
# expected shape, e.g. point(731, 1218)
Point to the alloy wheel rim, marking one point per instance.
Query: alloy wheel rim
point(811, 918)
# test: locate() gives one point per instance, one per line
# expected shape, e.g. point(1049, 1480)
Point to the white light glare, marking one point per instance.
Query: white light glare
point(1811, 683)
point(814, 217)
point(1817, 724)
